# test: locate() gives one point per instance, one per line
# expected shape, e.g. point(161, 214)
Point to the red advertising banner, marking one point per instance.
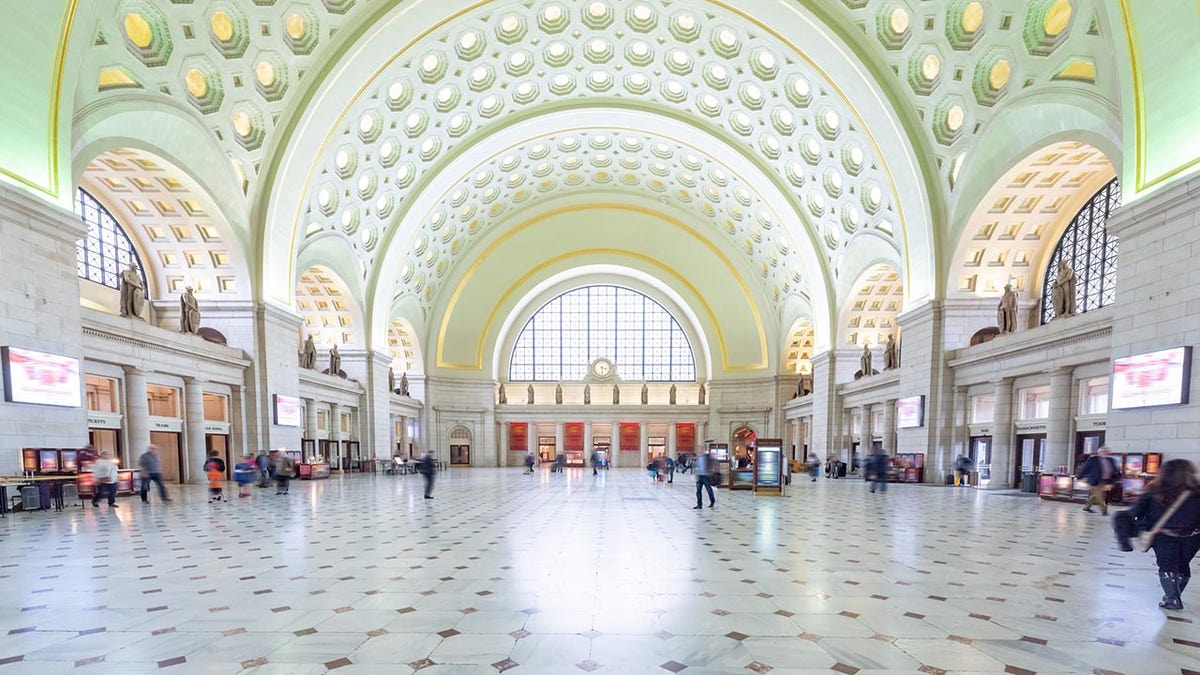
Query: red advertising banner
point(631, 436)
point(573, 436)
point(518, 436)
point(685, 437)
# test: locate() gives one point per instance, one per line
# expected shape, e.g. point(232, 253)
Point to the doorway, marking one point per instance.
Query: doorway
point(981, 455)
point(170, 451)
point(854, 457)
point(743, 440)
point(547, 448)
point(1086, 443)
point(656, 447)
point(219, 443)
point(106, 439)
point(1031, 452)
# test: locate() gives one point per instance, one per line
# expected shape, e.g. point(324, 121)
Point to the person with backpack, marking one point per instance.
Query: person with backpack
point(1170, 511)
point(1101, 472)
point(963, 466)
point(426, 468)
point(704, 469)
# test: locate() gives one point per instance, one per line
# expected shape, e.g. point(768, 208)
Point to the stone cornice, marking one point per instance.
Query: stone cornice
point(42, 216)
point(143, 336)
point(324, 381)
point(1092, 326)
point(1175, 200)
point(886, 379)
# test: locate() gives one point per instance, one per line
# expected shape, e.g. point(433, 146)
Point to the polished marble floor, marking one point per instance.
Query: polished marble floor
point(555, 573)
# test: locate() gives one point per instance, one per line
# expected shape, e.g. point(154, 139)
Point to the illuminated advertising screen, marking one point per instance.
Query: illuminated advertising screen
point(40, 378)
point(910, 412)
point(1156, 378)
point(287, 411)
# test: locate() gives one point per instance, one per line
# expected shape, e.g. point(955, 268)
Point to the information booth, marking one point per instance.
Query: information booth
point(768, 467)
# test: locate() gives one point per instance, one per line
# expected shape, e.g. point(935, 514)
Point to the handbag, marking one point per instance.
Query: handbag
point(1146, 539)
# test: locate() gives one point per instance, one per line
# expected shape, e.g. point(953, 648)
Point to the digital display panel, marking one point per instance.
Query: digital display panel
point(48, 461)
point(40, 378)
point(767, 465)
point(910, 412)
point(287, 411)
point(1156, 378)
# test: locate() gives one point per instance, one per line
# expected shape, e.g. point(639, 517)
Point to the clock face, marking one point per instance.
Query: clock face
point(602, 368)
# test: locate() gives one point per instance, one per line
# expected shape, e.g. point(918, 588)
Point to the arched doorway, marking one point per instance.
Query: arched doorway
point(460, 446)
point(742, 443)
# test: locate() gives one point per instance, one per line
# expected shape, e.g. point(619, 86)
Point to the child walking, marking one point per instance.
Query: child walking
point(216, 487)
point(243, 473)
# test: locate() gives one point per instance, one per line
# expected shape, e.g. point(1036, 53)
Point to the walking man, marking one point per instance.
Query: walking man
point(1100, 471)
point(104, 472)
point(151, 465)
point(263, 463)
point(426, 469)
point(529, 462)
point(877, 471)
point(703, 480)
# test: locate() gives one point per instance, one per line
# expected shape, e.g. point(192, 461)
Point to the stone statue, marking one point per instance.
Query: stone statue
point(1006, 313)
point(891, 359)
point(529, 395)
point(616, 395)
point(864, 361)
point(189, 312)
point(700, 396)
point(799, 388)
point(503, 395)
point(391, 381)
point(805, 386)
point(404, 383)
point(558, 393)
point(133, 292)
point(1062, 293)
point(645, 394)
point(335, 361)
point(587, 394)
point(308, 359)
point(672, 394)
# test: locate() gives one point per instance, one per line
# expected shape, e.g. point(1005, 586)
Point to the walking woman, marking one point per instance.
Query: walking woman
point(1176, 487)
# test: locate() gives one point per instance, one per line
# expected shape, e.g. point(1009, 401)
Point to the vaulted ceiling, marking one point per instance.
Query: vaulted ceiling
point(825, 145)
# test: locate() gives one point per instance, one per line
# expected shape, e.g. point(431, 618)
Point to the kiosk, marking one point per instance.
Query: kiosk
point(768, 467)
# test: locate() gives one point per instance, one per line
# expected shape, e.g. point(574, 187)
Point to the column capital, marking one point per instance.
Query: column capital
point(1062, 370)
point(133, 370)
point(1004, 380)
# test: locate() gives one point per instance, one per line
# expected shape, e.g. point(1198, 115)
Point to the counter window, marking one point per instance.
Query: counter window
point(216, 408)
point(162, 401)
point(1035, 403)
point(101, 394)
point(345, 423)
point(983, 409)
point(322, 420)
point(1095, 396)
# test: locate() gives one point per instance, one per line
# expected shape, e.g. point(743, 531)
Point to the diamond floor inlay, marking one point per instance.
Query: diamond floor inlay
point(561, 573)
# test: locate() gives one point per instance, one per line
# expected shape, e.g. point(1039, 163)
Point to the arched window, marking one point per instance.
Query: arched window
point(1090, 252)
point(637, 334)
point(105, 250)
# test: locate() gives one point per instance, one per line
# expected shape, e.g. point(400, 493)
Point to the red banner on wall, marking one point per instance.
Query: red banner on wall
point(573, 436)
point(518, 436)
point(685, 437)
point(631, 436)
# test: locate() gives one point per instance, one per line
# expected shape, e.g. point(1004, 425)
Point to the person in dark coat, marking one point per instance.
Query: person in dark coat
point(1101, 472)
point(426, 468)
point(1178, 542)
point(877, 471)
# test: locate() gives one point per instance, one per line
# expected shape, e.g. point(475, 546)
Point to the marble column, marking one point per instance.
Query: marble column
point(587, 442)
point(826, 436)
point(842, 451)
point(671, 440)
point(403, 436)
point(1058, 426)
point(239, 439)
point(335, 434)
point(137, 415)
point(310, 419)
point(960, 434)
point(867, 448)
point(643, 444)
point(889, 426)
point(558, 439)
point(1002, 436)
point(614, 450)
point(193, 444)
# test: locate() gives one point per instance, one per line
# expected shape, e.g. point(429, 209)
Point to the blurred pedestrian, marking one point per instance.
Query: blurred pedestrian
point(704, 471)
point(427, 468)
point(1170, 511)
point(104, 473)
point(150, 465)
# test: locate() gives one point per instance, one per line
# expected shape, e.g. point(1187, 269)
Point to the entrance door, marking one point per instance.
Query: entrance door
point(220, 443)
point(460, 455)
point(656, 447)
point(981, 454)
point(170, 450)
point(854, 459)
point(602, 445)
point(1031, 450)
point(107, 439)
point(547, 448)
point(1086, 443)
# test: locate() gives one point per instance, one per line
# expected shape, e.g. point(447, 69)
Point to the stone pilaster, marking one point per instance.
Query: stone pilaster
point(276, 370)
point(826, 418)
point(193, 438)
point(137, 415)
point(1059, 424)
point(1002, 436)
